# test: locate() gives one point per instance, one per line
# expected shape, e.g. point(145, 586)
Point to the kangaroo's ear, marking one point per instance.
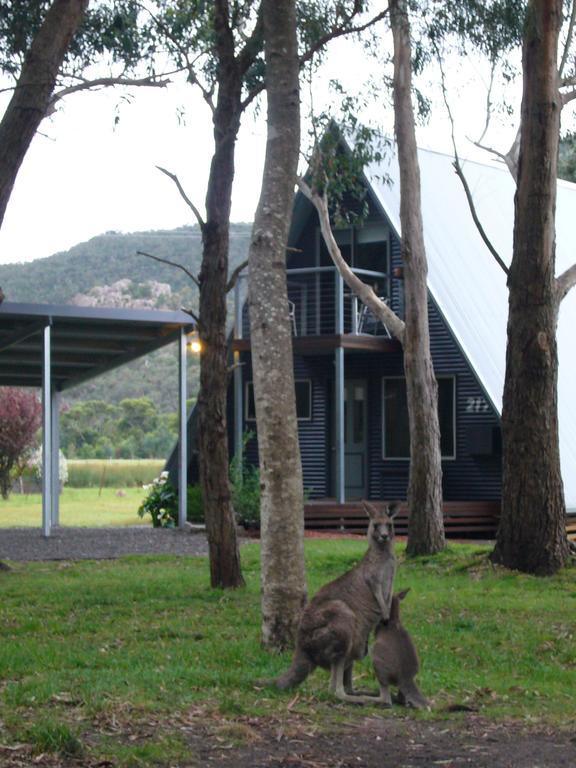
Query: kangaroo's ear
point(370, 510)
point(393, 508)
point(402, 595)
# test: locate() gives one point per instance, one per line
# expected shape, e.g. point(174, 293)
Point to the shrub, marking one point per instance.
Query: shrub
point(245, 486)
point(162, 503)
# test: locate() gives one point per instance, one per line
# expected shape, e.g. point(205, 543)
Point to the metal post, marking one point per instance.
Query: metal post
point(47, 476)
point(339, 393)
point(339, 298)
point(55, 407)
point(339, 427)
point(354, 314)
point(183, 434)
point(238, 404)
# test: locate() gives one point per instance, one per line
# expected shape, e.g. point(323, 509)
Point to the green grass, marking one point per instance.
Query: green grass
point(78, 507)
point(145, 639)
point(119, 473)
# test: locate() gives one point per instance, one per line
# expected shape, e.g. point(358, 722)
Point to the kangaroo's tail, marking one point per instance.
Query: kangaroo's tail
point(299, 670)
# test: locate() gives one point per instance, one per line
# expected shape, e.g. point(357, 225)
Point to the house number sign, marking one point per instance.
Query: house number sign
point(477, 405)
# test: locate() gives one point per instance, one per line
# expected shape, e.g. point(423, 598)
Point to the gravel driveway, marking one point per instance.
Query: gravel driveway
point(98, 543)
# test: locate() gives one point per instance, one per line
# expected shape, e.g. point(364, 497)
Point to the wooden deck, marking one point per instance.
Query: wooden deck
point(462, 519)
point(474, 519)
point(324, 345)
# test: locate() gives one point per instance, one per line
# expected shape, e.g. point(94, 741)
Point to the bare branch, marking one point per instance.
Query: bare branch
point(339, 32)
point(479, 227)
point(253, 45)
point(458, 167)
point(193, 315)
point(488, 103)
point(565, 282)
point(183, 51)
point(566, 98)
point(510, 158)
point(334, 33)
point(364, 292)
point(235, 275)
point(568, 41)
point(172, 264)
point(104, 82)
point(184, 196)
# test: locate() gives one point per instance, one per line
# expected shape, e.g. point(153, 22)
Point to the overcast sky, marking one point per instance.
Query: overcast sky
point(85, 175)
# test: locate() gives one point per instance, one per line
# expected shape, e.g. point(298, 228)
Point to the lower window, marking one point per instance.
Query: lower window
point(396, 433)
point(303, 391)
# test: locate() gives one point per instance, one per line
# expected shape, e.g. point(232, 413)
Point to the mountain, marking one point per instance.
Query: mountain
point(110, 257)
point(107, 271)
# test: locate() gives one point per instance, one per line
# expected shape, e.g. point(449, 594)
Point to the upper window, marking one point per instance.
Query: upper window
point(396, 434)
point(303, 391)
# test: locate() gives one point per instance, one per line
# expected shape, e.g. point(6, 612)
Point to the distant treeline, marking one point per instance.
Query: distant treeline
point(134, 429)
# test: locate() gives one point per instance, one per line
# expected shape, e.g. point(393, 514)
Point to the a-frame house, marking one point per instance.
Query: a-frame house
point(350, 388)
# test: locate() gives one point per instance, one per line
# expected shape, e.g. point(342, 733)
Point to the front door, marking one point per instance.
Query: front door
point(355, 423)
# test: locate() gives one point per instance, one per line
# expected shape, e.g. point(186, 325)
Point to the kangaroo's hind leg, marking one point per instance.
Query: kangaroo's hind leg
point(338, 672)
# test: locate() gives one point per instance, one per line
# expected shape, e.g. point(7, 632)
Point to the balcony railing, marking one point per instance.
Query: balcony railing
point(320, 303)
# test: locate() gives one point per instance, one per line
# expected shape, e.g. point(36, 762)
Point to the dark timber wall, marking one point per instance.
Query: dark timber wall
point(473, 475)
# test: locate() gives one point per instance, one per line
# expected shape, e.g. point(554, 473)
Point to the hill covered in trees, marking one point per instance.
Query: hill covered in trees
point(107, 271)
point(110, 257)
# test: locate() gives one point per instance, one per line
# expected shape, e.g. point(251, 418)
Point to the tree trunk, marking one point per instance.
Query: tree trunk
point(28, 105)
point(225, 570)
point(532, 532)
point(426, 525)
point(282, 503)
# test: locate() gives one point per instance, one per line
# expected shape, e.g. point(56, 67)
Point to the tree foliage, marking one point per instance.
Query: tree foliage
point(132, 429)
point(20, 418)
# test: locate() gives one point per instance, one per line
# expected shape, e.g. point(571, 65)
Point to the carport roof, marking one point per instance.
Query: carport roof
point(84, 341)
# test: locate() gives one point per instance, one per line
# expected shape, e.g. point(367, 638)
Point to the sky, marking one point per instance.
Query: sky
point(88, 172)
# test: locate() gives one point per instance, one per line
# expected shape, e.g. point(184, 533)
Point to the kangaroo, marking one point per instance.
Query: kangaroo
point(337, 623)
point(396, 661)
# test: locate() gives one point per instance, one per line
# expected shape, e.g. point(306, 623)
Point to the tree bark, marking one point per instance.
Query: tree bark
point(282, 503)
point(225, 569)
point(532, 532)
point(426, 525)
point(29, 104)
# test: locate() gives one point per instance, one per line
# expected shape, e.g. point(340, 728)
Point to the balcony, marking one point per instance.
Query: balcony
point(324, 313)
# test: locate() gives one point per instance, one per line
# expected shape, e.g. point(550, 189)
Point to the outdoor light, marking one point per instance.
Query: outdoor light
point(193, 343)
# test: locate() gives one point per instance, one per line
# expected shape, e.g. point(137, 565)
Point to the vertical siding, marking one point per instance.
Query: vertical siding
point(470, 476)
point(312, 433)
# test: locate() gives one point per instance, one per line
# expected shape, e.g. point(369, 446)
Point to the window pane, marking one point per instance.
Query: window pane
point(396, 435)
point(250, 406)
point(303, 399)
point(303, 391)
point(446, 415)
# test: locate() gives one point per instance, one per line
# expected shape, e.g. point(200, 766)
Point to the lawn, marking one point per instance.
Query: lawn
point(120, 660)
point(78, 506)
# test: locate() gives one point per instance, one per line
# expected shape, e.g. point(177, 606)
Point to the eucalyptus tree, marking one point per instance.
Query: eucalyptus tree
point(532, 532)
point(222, 49)
point(34, 88)
point(46, 49)
point(281, 506)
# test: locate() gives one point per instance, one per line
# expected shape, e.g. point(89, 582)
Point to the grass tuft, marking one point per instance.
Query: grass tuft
point(53, 737)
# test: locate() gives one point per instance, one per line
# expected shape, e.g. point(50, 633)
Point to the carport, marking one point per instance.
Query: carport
point(57, 347)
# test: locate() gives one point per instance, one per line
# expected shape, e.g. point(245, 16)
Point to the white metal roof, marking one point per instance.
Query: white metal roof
point(468, 285)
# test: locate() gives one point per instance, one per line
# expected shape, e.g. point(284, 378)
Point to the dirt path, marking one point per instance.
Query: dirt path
point(369, 742)
point(25, 544)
